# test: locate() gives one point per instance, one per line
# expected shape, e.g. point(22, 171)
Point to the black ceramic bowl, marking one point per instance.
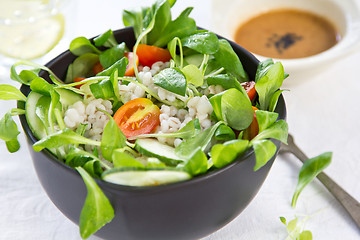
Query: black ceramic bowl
point(184, 210)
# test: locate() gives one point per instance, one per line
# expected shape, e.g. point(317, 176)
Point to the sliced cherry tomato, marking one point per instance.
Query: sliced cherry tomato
point(253, 129)
point(130, 72)
point(97, 68)
point(78, 79)
point(250, 89)
point(148, 55)
point(138, 116)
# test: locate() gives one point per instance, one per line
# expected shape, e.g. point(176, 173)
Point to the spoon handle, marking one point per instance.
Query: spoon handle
point(351, 205)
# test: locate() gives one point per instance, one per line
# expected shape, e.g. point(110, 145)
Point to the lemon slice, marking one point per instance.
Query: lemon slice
point(31, 31)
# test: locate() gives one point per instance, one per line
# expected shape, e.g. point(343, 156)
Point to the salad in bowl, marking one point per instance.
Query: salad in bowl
point(171, 104)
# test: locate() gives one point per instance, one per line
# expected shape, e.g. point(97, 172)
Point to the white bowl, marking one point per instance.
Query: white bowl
point(227, 15)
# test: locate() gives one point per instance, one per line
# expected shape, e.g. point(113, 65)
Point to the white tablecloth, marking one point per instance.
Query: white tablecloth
point(323, 115)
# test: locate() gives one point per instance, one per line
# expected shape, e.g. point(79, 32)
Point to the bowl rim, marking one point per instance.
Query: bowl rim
point(144, 189)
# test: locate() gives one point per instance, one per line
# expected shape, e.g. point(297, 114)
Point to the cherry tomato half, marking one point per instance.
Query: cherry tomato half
point(148, 55)
point(130, 72)
point(78, 79)
point(253, 129)
point(250, 89)
point(97, 68)
point(138, 116)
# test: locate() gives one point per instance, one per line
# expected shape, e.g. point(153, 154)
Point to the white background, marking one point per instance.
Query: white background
point(323, 115)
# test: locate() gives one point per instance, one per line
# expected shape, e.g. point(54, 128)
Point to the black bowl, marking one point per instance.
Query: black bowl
point(184, 210)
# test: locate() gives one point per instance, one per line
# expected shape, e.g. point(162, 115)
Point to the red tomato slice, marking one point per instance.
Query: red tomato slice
point(78, 79)
point(138, 116)
point(148, 55)
point(130, 72)
point(253, 129)
point(250, 89)
point(97, 68)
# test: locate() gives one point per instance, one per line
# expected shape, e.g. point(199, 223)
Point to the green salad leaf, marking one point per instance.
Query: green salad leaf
point(82, 45)
point(171, 79)
point(193, 75)
point(160, 13)
point(180, 27)
point(227, 58)
point(264, 151)
point(112, 55)
point(107, 39)
point(295, 229)
point(224, 133)
point(186, 149)
point(62, 138)
point(204, 42)
point(119, 65)
point(97, 210)
point(112, 139)
point(269, 84)
point(223, 154)
point(93, 167)
point(81, 67)
point(197, 163)
point(310, 169)
point(122, 159)
point(227, 81)
point(8, 92)
point(9, 133)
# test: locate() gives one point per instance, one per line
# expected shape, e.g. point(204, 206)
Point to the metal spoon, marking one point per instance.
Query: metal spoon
point(351, 205)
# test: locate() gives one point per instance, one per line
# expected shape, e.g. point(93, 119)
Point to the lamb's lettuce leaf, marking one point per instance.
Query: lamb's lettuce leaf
point(97, 210)
point(310, 169)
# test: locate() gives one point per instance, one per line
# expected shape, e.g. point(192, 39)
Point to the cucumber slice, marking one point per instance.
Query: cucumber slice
point(35, 124)
point(144, 177)
point(154, 148)
point(68, 97)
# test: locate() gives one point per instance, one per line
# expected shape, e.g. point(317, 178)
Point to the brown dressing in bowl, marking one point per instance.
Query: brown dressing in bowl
point(287, 33)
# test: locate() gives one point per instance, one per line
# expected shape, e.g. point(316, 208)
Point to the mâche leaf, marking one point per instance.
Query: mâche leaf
point(41, 86)
point(224, 133)
point(8, 92)
point(120, 65)
point(9, 133)
point(295, 229)
point(278, 130)
point(186, 148)
point(193, 75)
point(223, 154)
point(61, 138)
point(236, 109)
point(197, 163)
point(269, 84)
point(264, 151)
point(112, 139)
point(82, 45)
point(112, 55)
point(180, 27)
point(310, 169)
point(204, 42)
point(227, 58)
point(107, 39)
point(171, 79)
point(97, 210)
point(122, 159)
point(81, 67)
point(225, 80)
point(160, 13)
point(103, 89)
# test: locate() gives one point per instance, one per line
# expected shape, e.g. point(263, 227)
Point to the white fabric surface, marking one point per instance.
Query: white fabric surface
point(323, 115)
